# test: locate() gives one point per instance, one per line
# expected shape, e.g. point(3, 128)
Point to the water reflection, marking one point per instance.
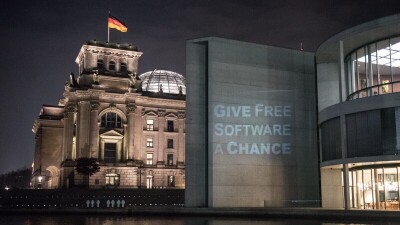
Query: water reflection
point(151, 220)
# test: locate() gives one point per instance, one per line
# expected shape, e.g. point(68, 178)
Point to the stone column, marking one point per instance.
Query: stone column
point(94, 129)
point(38, 149)
point(138, 133)
point(161, 144)
point(181, 139)
point(68, 132)
point(83, 127)
point(131, 107)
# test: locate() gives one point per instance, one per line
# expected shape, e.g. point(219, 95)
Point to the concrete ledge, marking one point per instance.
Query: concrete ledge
point(301, 213)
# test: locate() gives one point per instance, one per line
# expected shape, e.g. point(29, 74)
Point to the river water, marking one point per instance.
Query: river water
point(18, 219)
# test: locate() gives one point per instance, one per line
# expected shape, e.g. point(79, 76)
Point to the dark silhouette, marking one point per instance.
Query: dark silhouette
point(18, 179)
point(87, 167)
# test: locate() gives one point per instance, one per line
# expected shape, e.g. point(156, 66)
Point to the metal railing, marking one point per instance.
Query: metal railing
point(90, 198)
point(374, 90)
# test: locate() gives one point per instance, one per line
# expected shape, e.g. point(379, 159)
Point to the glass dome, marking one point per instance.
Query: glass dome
point(163, 81)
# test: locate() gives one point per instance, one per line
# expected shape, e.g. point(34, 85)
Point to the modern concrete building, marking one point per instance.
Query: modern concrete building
point(269, 126)
point(133, 125)
point(251, 127)
point(358, 77)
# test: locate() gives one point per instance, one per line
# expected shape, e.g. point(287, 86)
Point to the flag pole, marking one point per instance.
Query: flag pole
point(108, 28)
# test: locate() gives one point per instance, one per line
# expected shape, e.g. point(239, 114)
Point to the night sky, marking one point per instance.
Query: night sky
point(41, 39)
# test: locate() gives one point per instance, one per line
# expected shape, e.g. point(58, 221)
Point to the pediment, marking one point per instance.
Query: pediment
point(151, 113)
point(111, 133)
point(171, 115)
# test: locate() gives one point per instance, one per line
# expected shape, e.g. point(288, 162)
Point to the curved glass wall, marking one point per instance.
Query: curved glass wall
point(374, 69)
point(375, 187)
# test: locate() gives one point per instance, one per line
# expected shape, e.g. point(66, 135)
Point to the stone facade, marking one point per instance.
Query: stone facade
point(136, 135)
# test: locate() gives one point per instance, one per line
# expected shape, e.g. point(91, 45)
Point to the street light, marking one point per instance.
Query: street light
point(40, 178)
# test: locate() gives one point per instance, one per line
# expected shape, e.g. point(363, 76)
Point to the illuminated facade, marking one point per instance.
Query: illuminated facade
point(133, 125)
point(358, 78)
point(252, 137)
point(281, 127)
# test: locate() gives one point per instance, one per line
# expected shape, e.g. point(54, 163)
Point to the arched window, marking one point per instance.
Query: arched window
point(111, 66)
point(111, 120)
point(100, 64)
point(123, 69)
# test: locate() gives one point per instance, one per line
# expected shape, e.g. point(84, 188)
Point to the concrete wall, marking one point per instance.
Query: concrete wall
point(196, 125)
point(328, 85)
point(331, 188)
point(244, 86)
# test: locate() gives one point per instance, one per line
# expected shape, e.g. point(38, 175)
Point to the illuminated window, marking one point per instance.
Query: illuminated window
point(171, 181)
point(374, 69)
point(149, 142)
point(149, 159)
point(150, 124)
point(170, 143)
point(110, 150)
point(111, 120)
point(111, 66)
point(112, 179)
point(170, 126)
point(170, 159)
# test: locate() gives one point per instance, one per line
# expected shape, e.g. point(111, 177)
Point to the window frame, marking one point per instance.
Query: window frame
point(171, 181)
point(170, 126)
point(115, 150)
point(170, 159)
point(113, 179)
point(150, 142)
point(150, 126)
point(170, 143)
point(111, 120)
point(111, 66)
point(149, 160)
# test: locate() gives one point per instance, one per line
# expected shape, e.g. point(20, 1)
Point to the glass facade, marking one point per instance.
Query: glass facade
point(163, 81)
point(368, 133)
point(374, 187)
point(374, 69)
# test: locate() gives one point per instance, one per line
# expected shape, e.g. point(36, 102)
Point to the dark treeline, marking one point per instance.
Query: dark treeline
point(16, 179)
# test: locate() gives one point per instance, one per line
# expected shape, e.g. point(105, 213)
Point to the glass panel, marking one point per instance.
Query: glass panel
point(170, 159)
point(170, 126)
point(395, 62)
point(383, 66)
point(150, 142)
point(374, 69)
point(362, 72)
point(150, 124)
point(149, 159)
point(110, 152)
point(360, 190)
point(391, 188)
point(368, 189)
point(123, 68)
point(373, 66)
point(112, 65)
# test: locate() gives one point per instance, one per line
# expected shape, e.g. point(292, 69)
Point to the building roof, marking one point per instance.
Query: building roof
point(125, 46)
point(358, 36)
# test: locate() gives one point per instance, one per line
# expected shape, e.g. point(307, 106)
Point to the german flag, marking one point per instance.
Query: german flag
point(115, 23)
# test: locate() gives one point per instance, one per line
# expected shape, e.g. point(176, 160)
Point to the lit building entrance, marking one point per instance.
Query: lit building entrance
point(374, 187)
